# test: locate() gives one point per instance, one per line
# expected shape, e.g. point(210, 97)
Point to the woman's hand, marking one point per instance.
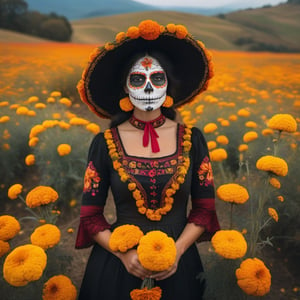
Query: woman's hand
point(133, 266)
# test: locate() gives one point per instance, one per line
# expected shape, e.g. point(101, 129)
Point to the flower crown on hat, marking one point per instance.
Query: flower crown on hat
point(147, 30)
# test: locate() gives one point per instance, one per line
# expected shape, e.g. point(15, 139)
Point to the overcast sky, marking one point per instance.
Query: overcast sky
point(209, 3)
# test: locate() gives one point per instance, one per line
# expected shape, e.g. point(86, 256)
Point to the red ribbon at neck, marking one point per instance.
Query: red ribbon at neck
point(149, 131)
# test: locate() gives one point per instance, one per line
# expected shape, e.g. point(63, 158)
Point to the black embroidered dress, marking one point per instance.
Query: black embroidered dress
point(105, 276)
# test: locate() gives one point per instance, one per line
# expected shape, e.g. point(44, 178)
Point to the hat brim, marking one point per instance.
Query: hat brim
point(102, 85)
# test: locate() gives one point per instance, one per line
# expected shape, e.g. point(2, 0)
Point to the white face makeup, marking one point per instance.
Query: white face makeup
point(147, 84)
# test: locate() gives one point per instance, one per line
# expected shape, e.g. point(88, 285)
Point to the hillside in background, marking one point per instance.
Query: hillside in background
point(264, 29)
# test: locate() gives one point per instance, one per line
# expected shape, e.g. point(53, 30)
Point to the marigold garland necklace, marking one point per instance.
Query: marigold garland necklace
point(149, 131)
point(174, 185)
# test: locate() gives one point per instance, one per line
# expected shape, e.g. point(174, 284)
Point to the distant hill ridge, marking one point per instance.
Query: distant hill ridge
point(263, 29)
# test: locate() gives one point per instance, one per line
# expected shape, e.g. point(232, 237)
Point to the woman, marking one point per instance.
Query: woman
point(151, 163)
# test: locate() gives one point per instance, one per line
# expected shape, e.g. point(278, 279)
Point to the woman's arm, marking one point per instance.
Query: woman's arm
point(129, 258)
point(189, 236)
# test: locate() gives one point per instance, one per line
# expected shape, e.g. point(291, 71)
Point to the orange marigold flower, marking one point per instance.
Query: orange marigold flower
point(9, 227)
point(145, 293)
point(232, 117)
point(210, 127)
point(171, 28)
point(35, 130)
point(243, 112)
point(41, 195)
point(267, 131)
point(225, 123)
point(55, 94)
point(233, 193)
point(14, 191)
point(45, 236)
point(30, 160)
point(253, 277)
point(230, 244)
point(32, 99)
point(120, 37)
point(273, 214)
point(280, 198)
point(93, 127)
point(272, 164)
point(66, 101)
point(4, 119)
point(64, 149)
point(40, 105)
point(275, 182)
point(211, 145)
point(125, 237)
point(283, 122)
point(222, 139)
point(59, 287)
point(156, 251)
point(126, 104)
point(133, 32)
point(181, 31)
point(218, 154)
point(4, 248)
point(109, 46)
point(78, 121)
point(24, 264)
point(250, 136)
point(251, 124)
point(243, 147)
point(22, 110)
point(149, 30)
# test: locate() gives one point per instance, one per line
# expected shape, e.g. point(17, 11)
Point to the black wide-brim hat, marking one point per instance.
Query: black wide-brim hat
point(102, 86)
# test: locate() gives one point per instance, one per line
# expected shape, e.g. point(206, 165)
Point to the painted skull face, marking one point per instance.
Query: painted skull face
point(147, 84)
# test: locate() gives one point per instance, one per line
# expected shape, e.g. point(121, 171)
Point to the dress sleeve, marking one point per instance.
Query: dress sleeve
point(203, 212)
point(95, 190)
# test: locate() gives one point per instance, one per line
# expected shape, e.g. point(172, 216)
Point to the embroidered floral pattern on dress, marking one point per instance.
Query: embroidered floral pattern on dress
point(91, 179)
point(205, 172)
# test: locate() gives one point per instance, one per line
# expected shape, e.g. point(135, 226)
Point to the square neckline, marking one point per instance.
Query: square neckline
point(178, 150)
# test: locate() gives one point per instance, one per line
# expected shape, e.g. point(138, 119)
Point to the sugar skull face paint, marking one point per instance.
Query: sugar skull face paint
point(147, 84)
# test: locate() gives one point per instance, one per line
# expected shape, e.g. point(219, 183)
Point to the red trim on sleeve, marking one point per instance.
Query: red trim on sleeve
point(203, 213)
point(92, 221)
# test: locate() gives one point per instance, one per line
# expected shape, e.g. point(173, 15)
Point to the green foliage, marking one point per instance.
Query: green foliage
point(14, 15)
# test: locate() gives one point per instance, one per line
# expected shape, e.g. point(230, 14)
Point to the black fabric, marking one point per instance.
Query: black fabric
point(105, 276)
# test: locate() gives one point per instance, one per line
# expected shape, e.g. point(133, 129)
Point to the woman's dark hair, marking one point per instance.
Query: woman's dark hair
point(173, 84)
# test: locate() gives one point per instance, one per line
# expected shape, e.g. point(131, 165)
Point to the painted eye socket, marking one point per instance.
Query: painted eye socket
point(158, 78)
point(137, 80)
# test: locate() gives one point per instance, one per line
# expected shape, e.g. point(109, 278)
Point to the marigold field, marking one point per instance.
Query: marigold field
point(45, 132)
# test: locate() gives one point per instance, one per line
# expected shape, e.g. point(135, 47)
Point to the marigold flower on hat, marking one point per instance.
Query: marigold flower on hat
point(9, 227)
point(4, 248)
point(46, 236)
point(149, 30)
point(64, 149)
point(230, 244)
point(250, 136)
point(24, 264)
point(218, 154)
point(272, 164)
point(156, 251)
point(273, 214)
point(146, 294)
point(253, 277)
point(283, 122)
point(125, 237)
point(59, 287)
point(233, 193)
point(14, 191)
point(41, 195)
